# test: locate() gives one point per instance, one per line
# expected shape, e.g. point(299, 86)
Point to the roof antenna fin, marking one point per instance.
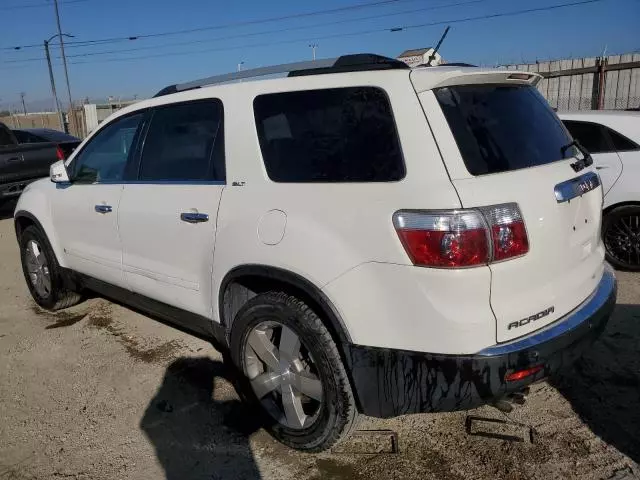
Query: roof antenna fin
point(435, 50)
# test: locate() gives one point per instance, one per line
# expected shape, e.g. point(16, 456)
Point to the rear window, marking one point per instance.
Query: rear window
point(55, 136)
point(332, 135)
point(500, 128)
point(26, 137)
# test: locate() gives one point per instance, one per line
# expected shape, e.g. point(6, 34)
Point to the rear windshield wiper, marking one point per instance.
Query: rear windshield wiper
point(584, 162)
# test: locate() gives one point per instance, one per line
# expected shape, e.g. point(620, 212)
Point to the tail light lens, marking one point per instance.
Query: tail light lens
point(59, 153)
point(508, 233)
point(443, 239)
point(462, 238)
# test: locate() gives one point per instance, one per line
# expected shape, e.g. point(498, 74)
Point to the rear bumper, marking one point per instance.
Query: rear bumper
point(392, 382)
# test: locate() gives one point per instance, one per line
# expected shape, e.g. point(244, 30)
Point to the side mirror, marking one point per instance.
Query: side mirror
point(58, 172)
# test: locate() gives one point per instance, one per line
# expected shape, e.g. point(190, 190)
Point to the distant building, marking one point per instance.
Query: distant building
point(418, 56)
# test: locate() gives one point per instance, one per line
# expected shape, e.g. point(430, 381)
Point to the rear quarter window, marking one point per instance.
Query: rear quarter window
point(500, 128)
point(332, 135)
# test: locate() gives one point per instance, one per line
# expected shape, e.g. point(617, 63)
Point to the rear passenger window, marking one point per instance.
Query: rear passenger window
point(591, 136)
point(621, 143)
point(184, 143)
point(332, 135)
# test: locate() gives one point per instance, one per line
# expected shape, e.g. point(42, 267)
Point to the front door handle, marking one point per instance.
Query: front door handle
point(103, 208)
point(192, 217)
point(13, 159)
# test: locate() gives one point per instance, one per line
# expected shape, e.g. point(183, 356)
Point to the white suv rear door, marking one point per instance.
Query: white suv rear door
point(167, 217)
point(503, 143)
point(85, 211)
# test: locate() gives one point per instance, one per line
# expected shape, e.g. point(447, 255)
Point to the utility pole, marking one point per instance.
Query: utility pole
point(24, 107)
point(53, 86)
point(313, 47)
point(66, 71)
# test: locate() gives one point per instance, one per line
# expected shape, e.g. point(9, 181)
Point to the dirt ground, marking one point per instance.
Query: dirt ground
point(102, 392)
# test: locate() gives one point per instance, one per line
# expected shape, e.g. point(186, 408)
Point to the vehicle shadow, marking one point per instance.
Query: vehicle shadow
point(195, 436)
point(6, 208)
point(604, 385)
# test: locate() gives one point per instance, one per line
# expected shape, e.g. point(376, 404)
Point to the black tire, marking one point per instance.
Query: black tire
point(336, 413)
point(621, 237)
point(57, 297)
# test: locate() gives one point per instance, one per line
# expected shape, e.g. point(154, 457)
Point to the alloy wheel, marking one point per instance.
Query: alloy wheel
point(622, 239)
point(283, 374)
point(38, 268)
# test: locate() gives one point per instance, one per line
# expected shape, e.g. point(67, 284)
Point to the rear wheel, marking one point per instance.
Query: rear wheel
point(621, 236)
point(42, 272)
point(293, 372)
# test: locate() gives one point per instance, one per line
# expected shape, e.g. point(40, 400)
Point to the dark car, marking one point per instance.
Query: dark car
point(25, 157)
point(66, 142)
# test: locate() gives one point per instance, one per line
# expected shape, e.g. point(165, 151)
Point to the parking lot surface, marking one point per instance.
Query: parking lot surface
point(102, 392)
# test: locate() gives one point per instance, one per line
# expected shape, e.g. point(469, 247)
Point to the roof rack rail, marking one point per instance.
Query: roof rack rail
point(346, 63)
point(454, 64)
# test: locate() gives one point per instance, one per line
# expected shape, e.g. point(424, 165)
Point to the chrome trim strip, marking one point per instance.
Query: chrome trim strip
point(570, 321)
point(154, 182)
point(576, 187)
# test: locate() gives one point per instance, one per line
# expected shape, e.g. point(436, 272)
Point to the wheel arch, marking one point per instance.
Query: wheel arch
point(610, 208)
point(245, 281)
point(23, 219)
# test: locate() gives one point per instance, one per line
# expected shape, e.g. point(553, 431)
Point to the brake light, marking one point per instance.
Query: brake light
point(59, 153)
point(462, 238)
point(443, 239)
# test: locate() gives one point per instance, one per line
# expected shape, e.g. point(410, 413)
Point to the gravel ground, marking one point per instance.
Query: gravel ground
point(103, 392)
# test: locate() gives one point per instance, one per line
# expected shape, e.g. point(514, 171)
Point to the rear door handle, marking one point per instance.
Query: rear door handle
point(192, 217)
point(103, 208)
point(13, 159)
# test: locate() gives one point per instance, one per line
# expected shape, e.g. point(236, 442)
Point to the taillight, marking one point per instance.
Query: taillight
point(443, 239)
point(462, 238)
point(508, 233)
point(59, 153)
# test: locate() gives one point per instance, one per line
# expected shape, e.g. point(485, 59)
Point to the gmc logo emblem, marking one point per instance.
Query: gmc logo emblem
point(532, 318)
point(585, 187)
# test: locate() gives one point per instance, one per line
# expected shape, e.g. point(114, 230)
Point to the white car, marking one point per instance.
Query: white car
point(360, 236)
point(613, 140)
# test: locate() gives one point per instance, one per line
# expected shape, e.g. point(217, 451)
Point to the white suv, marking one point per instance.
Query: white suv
point(360, 236)
point(613, 140)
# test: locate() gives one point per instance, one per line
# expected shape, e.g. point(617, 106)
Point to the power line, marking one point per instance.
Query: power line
point(38, 5)
point(348, 34)
point(221, 26)
point(361, 32)
point(264, 32)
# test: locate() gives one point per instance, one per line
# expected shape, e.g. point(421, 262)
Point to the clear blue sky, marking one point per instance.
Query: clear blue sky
point(574, 31)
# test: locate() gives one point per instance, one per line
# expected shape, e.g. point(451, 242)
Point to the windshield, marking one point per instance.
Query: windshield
point(501, 128)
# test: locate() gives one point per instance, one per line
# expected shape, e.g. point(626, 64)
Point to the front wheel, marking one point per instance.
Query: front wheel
point(42, 272)
point(621, 236)
point(293, 372)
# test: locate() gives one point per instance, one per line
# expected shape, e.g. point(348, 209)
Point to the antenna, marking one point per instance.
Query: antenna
point(435, 50)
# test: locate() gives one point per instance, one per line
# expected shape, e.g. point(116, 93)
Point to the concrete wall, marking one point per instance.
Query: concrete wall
point(47, 120)
point(33, 120)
